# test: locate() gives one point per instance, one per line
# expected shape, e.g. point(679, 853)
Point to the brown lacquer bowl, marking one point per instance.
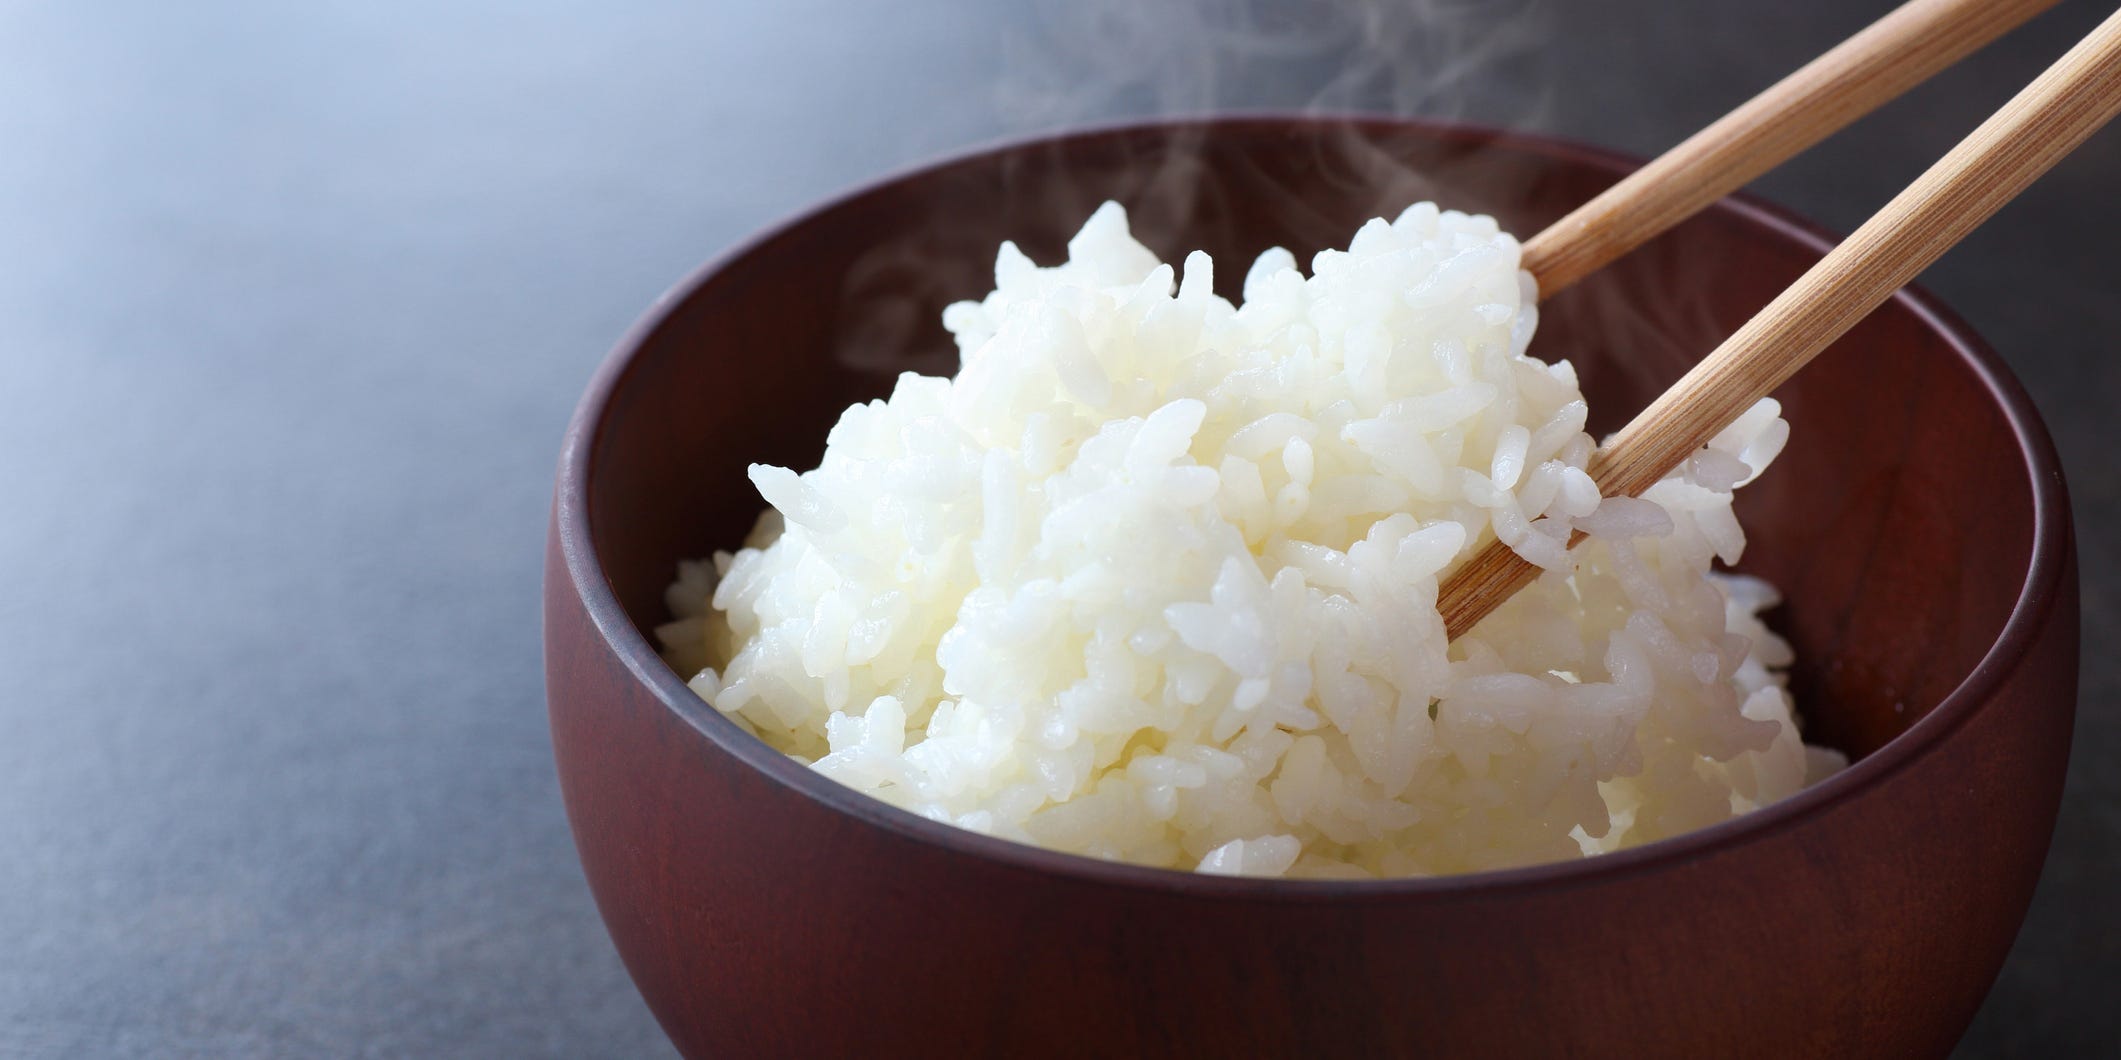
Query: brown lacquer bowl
point(1917, 523)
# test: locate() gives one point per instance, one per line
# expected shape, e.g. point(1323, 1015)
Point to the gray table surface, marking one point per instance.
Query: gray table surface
point(295, 301)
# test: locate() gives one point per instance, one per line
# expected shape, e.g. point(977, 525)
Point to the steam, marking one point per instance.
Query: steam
point(1077, 62)
point(1071, 64)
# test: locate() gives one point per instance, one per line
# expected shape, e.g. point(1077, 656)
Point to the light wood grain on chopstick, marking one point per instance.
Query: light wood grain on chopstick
point(2040, 125)
point(1892, 55)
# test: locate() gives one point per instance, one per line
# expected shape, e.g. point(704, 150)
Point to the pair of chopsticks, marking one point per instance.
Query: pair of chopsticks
point(2044, 122)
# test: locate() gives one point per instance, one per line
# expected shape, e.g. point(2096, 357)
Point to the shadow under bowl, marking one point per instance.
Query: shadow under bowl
point(1917, 524)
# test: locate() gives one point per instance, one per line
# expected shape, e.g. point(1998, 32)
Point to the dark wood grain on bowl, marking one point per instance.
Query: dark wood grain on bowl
point(1916, 523)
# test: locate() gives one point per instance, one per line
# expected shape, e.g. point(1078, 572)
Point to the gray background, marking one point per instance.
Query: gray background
point(295, 301)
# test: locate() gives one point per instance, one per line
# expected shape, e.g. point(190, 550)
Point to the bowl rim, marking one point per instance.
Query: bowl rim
point(2051, 540)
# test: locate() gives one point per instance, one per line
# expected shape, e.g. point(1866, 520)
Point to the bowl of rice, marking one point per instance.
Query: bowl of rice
point(994, 613)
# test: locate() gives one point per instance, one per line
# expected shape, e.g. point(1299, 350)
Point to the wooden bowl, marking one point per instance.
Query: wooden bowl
point(1917, 524)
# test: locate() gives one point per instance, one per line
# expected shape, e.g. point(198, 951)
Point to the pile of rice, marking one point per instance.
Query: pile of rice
point(1154, 579)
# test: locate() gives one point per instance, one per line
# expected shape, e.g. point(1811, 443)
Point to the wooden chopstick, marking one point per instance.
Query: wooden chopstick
point(1892, 55)
point(2040, 125)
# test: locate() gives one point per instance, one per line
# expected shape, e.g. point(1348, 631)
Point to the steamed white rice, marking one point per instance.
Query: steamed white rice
point(1154, 579)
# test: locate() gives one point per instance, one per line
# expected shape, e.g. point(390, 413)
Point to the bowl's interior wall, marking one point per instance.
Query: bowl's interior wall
point(1898, 522)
